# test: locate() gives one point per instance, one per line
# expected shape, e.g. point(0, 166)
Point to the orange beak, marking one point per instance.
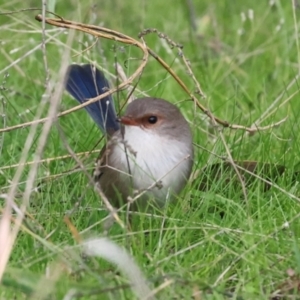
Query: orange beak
point(128, 121)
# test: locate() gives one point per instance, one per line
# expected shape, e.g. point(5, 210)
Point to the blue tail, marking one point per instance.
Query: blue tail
point(85, 82)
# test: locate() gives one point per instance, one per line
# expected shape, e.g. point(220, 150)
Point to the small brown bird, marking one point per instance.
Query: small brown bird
point(149, 150)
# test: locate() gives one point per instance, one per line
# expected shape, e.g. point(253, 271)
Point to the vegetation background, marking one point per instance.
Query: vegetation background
point(216, 243)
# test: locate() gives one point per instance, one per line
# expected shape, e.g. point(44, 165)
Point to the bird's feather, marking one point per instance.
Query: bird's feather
point(85, 82)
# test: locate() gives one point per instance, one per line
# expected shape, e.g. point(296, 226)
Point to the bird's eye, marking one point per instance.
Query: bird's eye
point(152, 119)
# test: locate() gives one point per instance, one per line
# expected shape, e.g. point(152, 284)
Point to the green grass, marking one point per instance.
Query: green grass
point(213, 242)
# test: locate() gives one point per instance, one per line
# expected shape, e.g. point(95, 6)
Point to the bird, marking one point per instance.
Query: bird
point(149, 155)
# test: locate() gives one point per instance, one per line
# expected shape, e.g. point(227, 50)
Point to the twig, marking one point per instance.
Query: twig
point(98, 32)
point(119, 37)
point(123, 77)
point(198, 89)
point(50, 159)
point(44, 6)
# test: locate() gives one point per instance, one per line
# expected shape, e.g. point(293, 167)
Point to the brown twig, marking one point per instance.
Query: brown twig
point(122, 38)
point(97, 32)
point(199, 91)
point(50, 159)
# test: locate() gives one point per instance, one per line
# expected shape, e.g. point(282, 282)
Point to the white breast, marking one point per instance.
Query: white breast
point(152, 159)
